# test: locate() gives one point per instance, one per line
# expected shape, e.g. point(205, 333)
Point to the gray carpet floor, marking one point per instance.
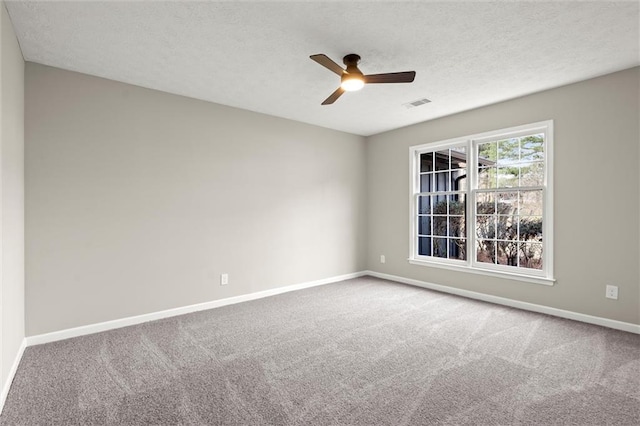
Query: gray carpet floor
point(360, 352)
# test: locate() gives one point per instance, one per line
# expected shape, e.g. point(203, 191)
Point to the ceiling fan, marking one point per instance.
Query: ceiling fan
point(352, 79)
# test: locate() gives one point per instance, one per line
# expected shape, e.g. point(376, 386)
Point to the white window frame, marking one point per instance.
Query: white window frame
point(543, 276)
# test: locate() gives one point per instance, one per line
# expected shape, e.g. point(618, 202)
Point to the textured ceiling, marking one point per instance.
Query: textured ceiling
point(255, 55)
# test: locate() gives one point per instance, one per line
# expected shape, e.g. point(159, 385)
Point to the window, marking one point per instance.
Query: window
point(483, 203)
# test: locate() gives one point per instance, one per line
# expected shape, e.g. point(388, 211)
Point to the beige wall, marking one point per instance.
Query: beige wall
point(596, 198)
point(138, 200)
point(12, 188)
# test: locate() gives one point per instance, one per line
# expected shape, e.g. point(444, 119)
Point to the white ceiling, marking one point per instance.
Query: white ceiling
point(255, 55)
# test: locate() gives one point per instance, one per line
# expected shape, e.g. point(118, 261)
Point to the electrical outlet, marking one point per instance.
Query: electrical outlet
point(611, 292)
point(382, 259)
point(224, 279)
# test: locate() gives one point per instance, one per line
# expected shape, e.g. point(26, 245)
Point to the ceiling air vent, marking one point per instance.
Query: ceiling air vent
point(416, 103)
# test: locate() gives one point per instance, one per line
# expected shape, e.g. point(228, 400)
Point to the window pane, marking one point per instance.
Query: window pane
point(485, 203)
point(458, 158)
point(458, 248)
point(440, 225)
point(487, 153)
point(459, 180)
point(424, 204)
point(457, 204)
point(530, 255)
point(426, 162)
point(508, 151)
point(507, 253)
point(442, 160)
point(439, 204)
point(486, 226)
point(440, 247)
point(532, 147)
point(507, 228)
point(457, 164)
point(485, 251)
point(424, 225)
point(424, 246)
point(426, 182)
point(531, 174)
point(441, 182)
point(487, 177)
point(530, 228)
point(531, 203)
point(456, 226)
point(508, 176)
point(507, 203)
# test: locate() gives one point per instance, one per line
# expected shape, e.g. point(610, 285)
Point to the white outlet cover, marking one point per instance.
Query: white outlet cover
point(612, 292)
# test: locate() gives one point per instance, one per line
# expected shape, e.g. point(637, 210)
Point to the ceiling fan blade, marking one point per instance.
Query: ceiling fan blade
point(326, 62)
point(334, 96)
point(391, 77)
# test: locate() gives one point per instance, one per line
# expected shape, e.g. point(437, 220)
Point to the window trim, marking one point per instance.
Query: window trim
point(544, 276)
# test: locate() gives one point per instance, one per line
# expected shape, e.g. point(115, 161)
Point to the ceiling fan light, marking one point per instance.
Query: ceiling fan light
point(352, 83)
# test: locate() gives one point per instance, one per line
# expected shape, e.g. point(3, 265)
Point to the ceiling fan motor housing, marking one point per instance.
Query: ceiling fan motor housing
point(351, 61)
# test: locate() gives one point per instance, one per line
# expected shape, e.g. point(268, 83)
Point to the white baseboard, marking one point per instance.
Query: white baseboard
point(605, 322)
point(14, 367)
point(139, 319)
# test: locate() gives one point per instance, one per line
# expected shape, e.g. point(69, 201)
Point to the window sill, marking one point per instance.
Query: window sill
point(486, 272)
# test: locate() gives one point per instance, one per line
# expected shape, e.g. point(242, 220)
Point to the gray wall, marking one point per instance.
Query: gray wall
point(596, 199)
point(12, 189)
point(138, 200)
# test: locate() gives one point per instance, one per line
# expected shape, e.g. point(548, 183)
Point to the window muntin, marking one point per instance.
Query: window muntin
point(484, 202)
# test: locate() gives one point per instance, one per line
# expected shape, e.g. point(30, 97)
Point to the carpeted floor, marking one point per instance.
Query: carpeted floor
point(359, 352)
